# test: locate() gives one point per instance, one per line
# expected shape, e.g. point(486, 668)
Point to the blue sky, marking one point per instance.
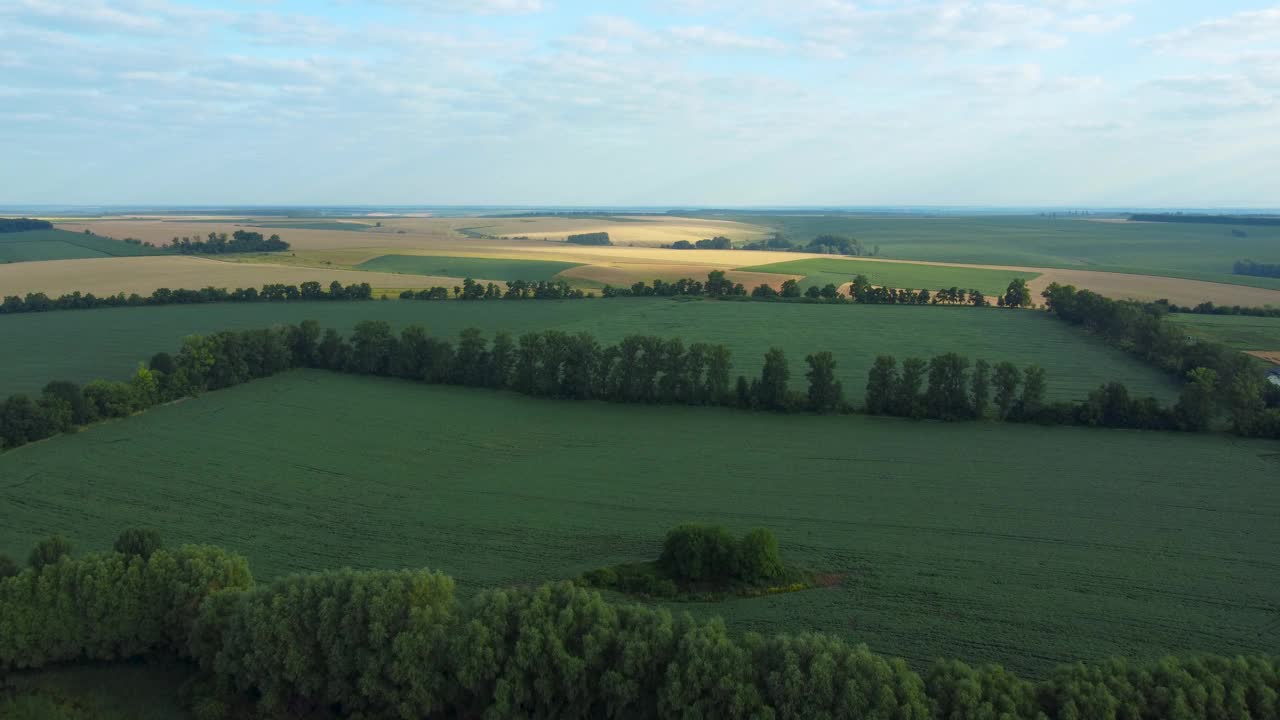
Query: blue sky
point(712, 102)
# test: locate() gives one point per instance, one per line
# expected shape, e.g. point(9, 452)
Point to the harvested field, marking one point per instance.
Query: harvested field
point(465, 267)
point(1151, 287)
point(1020, 545)
point(143, 275)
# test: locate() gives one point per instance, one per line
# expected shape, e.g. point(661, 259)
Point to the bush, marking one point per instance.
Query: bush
point(8, 568)
point(758, 557)
point(49, 551)
point(699, 552)
point(135, 541)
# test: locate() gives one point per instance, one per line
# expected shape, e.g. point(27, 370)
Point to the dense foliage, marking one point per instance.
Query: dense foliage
point(275, 292)
point(595, 238)
point(1217, 377)
point(399, 644)
point(1249, 267)
point(110, 606)
point(692, 553)
point(718, 242)
point(241, 241)
point(515, 290)
point(13, 225)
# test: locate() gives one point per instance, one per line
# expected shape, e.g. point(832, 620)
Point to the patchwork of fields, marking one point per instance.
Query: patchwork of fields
point(838, 271)
point(82, 345)
point(35, 245)
point(1023, 545)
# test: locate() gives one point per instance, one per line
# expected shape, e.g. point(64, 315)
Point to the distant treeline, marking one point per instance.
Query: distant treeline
point(1206, 219)
point(1208, 308)
point(1249, 267)
point(823, 244)
point(39, 302)
point(1231, 379)
point(595, 238)
point(515, 290)
point(718, 242)
point(13, 225)
point(400, 643)
point(241, 241)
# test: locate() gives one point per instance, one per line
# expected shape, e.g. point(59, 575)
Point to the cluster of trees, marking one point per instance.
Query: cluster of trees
point(595, 238)
point(823, 244)
point(1249, 267)
point(401, 644)
point(718, 242)
point(515, 290)
point(1208, 308)
point(241, 241)
point(13, 225)
point(1206, 219)
point(1232, 379)
point(699, 553)
point(717, 285)
point(39, 302)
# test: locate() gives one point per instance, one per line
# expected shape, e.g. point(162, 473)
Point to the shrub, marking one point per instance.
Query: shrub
point(8, 568)
point(49, 551)
point(136, 541)
point(699, 552)
point(758, 557)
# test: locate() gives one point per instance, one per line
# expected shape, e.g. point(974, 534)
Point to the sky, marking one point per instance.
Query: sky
point(1092, 103)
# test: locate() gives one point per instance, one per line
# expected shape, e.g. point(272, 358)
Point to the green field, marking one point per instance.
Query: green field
point(837, 271)
point(988, 542)
point(1237, 331)
point(472, 267)
point(82, 345)
point(1198, 252)
point(34, 245)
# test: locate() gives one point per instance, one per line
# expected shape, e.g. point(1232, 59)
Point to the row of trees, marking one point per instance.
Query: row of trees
point(1233, 379)
point(241, 241)
point(515, 290)
point(1249, 267)
point(822, 244)
point(39, 302)
point(400, 644)
point(13, 225)
point(718, 242)
point(594, 238)
point(1208, 308)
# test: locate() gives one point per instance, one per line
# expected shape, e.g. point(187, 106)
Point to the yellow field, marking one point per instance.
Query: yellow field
point(635, 255)
point(109, 276)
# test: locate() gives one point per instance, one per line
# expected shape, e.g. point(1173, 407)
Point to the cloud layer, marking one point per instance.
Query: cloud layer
point(797, 102)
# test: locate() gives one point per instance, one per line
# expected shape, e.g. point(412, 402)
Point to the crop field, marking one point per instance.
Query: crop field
point(84, 344)
point(34, 245)
point(893, 274)
point(1024, 545)
point(1183, 250)
point(1237, 331)
point(464, 267)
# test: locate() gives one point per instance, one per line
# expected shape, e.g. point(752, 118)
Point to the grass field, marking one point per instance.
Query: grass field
point(1198, 252)
point(899, 275)
point(1023, 545)
point(472, 267)
point(1237, 331)
point(81, 345)
point(35, 245)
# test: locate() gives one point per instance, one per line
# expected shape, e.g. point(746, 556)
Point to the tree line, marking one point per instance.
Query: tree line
point(401, 644)
point(638, 369)
point(515, 290)
point(14, 225)
point(1225, 380)
point(1249, 267)
point(822, 244)
point(718, 242)
point(241, 241)
point(274, 292)
point(1208, 308)
point(594, 238)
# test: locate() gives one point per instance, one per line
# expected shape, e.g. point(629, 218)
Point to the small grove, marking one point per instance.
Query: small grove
point(400, 644)
point(639, 369)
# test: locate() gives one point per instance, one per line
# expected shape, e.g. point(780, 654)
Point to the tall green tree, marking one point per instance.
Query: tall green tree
point(1034, 388)
point(948, 395)
point(825, 392)
point(1018, 294)
point(981, 389)
point(908, 401)
point(502, 358)
point(772, 392)
point(882, 382)
point(1196, 404)
point(1006, 380)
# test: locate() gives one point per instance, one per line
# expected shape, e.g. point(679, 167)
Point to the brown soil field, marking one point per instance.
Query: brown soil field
point(109, 276)
point(1268, 355)
point(1150, 287)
